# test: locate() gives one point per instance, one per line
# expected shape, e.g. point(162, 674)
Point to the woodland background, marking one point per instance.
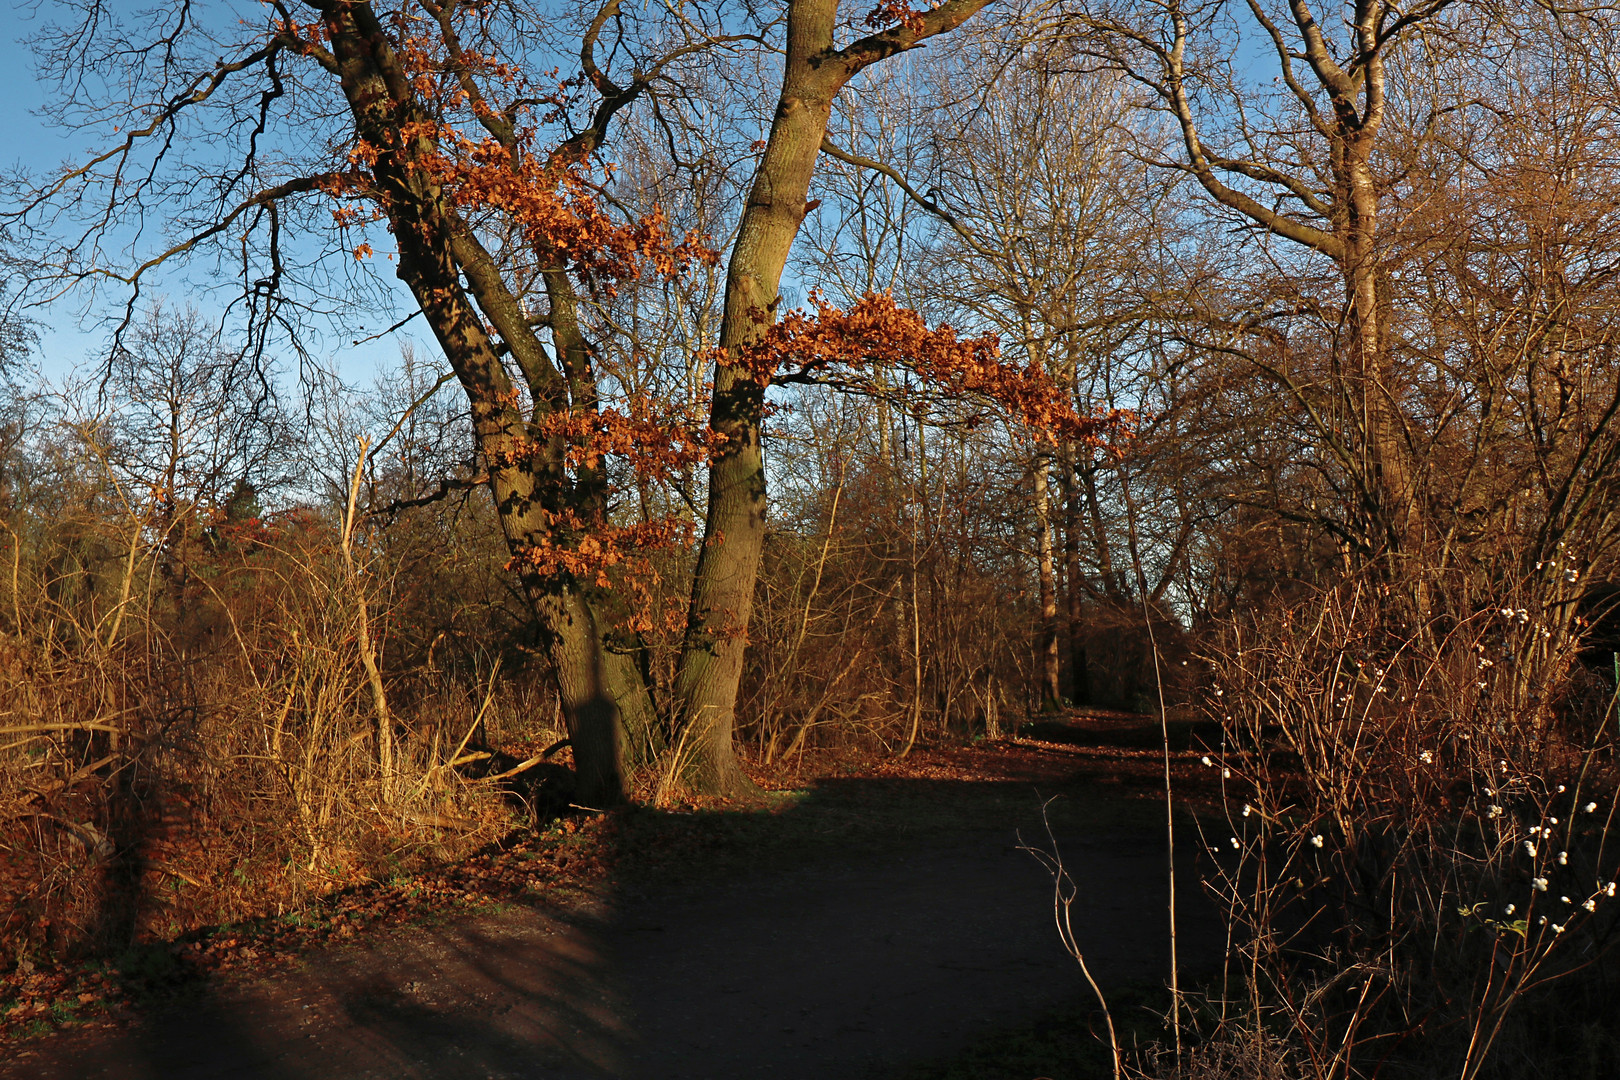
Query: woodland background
point(1346, 284)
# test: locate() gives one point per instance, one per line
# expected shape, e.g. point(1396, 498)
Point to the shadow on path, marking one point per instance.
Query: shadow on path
point(875, 924)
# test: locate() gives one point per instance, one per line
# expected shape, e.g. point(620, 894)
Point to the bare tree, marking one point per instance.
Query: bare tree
point(1032, 219)
point(1301, 162)
point(1393, 203)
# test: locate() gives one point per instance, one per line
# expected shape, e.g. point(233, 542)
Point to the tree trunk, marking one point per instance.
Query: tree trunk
point(1385, 463)
point(711, 662)
point(1047, 648)
point(1074, 594)
point(447, 270)
point(604, 700)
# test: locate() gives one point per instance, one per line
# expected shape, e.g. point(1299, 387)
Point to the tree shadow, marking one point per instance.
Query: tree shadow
point(856, 927)
point(883, 921)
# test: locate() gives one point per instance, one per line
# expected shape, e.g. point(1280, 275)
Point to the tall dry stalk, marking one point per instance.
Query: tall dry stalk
point(1134, 546)
point(363, 638)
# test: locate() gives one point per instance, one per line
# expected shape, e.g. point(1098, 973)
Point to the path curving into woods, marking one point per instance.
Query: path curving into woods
point(896, 923)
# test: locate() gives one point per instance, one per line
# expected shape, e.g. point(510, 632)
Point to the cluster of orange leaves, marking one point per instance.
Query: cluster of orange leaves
point(654, 446)
point(584, 551)
point(555, 207)
point(846, 346)
point(554, 204)
point(579, 551)
point(558, 211)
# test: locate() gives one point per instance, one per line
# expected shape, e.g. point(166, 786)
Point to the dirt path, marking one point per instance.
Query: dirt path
point(842, 953)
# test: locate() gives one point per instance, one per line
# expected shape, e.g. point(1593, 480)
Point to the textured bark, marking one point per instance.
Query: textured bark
point(594, 685)
point(711, 662)
point(457, 286)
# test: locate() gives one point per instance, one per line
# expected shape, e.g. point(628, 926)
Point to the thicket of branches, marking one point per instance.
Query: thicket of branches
point(1287, 337)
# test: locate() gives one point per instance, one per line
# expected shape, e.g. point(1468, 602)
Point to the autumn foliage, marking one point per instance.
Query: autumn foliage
point(866, 348)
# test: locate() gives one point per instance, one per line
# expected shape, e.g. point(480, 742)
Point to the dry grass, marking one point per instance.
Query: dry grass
point(195, 740)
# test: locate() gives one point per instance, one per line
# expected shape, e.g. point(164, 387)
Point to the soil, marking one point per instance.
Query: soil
point(867, 925)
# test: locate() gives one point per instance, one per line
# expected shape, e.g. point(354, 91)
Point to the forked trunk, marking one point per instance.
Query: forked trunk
point(604, 700)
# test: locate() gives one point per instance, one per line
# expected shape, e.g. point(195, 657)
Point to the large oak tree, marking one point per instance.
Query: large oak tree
point(273, 146)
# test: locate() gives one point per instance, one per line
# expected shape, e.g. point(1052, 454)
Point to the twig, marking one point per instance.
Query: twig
point(1063, 894)
point(489, 695)
point(526, 765)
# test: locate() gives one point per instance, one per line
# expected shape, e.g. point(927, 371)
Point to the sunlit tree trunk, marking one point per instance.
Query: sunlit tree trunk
point(1074, 591)
point(711, 663)
point(1049, 692)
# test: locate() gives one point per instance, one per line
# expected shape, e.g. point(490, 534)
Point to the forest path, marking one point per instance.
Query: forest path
point(878, 923)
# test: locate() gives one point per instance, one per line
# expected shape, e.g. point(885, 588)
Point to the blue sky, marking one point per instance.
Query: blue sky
point(25, 137)
point(29, 142)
